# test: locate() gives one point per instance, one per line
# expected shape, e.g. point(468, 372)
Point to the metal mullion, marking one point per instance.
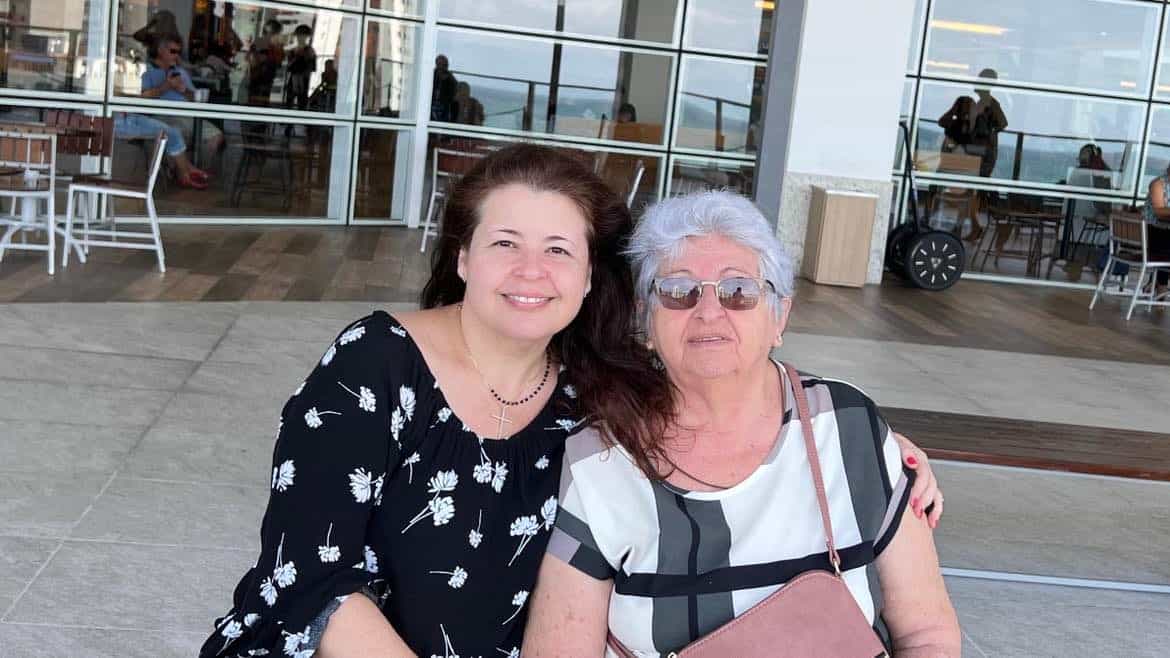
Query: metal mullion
point(1061, 90)
point(467, 130)
point(1151, 107)
point(567, 38)
point(1037, 189)
point(726, 55)
point(717, 155)
point(544, 138)
point(218, 109)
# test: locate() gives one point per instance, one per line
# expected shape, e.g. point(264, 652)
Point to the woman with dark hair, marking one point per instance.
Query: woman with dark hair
point(415, 474)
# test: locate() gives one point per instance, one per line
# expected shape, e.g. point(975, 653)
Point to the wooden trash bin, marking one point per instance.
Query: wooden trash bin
point(837, 243)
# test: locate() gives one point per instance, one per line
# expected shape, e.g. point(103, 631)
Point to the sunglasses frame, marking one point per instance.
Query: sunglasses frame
point(702, 285)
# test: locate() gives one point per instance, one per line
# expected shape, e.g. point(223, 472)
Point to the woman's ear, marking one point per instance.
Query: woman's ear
point(782, 323)
point(461, 265)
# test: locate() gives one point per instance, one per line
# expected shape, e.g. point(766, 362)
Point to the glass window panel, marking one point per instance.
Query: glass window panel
point(620, 170)
point(54, 46)
point(1035, 137)
point(644, 20)
point(1035, 236)
point(1162, 90)
point(402, 7)
point(1089, 44)
point(695, 175)
point(915, 49)
point(743, 26)
point(544, 87)
point(237, 53)
point(720, 105)
point(903, 118)
point(383, 168)
point(391, 70)
point(1158, 150)
point(255, 168)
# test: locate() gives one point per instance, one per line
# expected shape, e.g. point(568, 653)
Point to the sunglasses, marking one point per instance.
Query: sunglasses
point(737, 293)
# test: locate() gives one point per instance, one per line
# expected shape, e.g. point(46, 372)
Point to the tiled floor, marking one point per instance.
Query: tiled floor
point(136, 440)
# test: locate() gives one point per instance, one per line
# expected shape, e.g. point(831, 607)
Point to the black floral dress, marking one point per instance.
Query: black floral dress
point(378, 489)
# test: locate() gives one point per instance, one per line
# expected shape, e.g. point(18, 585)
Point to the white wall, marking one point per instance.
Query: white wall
point(852, 61)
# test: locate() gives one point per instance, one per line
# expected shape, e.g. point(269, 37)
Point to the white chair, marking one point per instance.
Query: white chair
point(639, 171)
point(28, 160)
point(1129, 244)
point(84, 196)
point(447, 166)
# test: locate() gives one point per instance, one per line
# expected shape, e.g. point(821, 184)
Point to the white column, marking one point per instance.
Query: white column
point(832, 103)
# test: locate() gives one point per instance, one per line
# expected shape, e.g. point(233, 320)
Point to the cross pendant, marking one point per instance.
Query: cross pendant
point(503, 418)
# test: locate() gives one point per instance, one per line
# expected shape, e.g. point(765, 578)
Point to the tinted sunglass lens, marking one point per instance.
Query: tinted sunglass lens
point(678, 294)
point(739, 293)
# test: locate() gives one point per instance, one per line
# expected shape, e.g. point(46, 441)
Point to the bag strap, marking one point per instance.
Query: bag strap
point(814, 462)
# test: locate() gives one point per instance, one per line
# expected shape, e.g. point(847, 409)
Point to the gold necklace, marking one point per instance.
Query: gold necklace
point(502, 417)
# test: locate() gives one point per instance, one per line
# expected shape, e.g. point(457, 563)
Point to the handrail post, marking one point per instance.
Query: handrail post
point(719, 124)
point(529, 106)
point(1019, 156)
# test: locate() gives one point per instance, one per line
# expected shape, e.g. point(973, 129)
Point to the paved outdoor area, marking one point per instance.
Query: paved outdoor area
point(134, 457)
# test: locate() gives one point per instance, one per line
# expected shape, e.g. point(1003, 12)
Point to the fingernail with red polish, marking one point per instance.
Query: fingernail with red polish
point(911, 461)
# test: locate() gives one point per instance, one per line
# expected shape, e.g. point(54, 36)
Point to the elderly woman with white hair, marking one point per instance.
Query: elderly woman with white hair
point(658, 545)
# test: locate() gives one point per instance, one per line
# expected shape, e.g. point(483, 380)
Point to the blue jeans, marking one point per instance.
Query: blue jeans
point(138, 126)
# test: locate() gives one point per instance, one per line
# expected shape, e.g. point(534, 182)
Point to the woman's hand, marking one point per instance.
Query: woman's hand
point(925, 491)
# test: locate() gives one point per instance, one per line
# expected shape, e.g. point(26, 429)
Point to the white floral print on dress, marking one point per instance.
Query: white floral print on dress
point(410, 462)
point(351, 335)
point(361, 484)
point(294, 643)
point(570, 390)
point(406, 401)
point(458, 576)
point(519, 600)
point(313, 417)
point(232, 630)
point(475, 536)
point(397, 423)
point(524, 527)
point(398, 331)
point(365, 397)
point(283, 475)
point(370, 563)
point(327, 552)
point(514, 652)
point(542, 463)
point(268, 592)
point(499, 474)
point(548, 511)
point(329, 354)
point(441, 509)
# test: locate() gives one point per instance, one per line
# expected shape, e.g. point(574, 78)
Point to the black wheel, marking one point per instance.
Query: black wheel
point(896, 247)
point(934, 260)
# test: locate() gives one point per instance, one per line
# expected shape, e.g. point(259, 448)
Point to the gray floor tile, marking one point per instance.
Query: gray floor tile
point(134, 586)
point(36, 447)
point(180, 331)
point(172, 513)
point(173, 452)
point(267, 384)
point(1013, 619)
point(70, 403)
point(1054, 524)
point(252, 349)
point(45, 505)
point(20, 557)
point(37, 641)
point(93, 368)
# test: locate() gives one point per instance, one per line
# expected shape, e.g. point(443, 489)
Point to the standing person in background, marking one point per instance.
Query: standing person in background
point(265, 60)
point(444, 87)
point(302, 62)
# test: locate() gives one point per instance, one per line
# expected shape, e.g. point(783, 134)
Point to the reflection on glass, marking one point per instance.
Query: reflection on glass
point(1090, 44)
point(903, 118)
point(693, 175)
point(382, 171)
point(632, 175)
point(541, 86)
point(53, 46)
point(1158, 150)
point(720, 105)
point(405, 7)
point(1025, 136)
point(915, 49)
point(644, 20)
point(391, 68)
point(743, 26)
point(236, 53)
point(1024, 235)
point(249, 168)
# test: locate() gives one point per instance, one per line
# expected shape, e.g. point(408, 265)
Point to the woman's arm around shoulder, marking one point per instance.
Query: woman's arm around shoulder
point(570, 613)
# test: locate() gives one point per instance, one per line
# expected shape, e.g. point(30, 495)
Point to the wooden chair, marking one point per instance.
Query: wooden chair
point(447, 167)
point(84, 195)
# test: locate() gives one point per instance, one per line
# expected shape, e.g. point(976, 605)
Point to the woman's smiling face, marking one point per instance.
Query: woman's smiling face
point(527, 265)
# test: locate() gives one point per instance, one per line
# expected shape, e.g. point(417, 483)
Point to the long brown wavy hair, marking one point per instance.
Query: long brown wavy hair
point(617, 386)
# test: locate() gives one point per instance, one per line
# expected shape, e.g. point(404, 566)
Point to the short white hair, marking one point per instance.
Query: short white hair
point(666, 225)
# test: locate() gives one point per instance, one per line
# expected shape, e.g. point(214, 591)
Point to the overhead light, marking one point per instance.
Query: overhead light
point(765, 4)
point(948, 65)
point(1128, 84)
point(1163, 88)
point(974, 28)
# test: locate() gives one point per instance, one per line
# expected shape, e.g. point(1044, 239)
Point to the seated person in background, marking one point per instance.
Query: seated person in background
point(165, 79)
point(468, 109)
point(1157, 213)
point(627, 113)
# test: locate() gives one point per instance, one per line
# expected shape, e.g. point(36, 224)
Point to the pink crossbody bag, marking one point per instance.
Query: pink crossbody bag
point(814, 614)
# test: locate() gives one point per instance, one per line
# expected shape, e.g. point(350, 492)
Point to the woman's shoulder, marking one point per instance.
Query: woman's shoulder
point(375, 342)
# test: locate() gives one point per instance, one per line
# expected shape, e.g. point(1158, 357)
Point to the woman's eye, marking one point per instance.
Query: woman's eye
point(503, 243)
point(559, 251)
